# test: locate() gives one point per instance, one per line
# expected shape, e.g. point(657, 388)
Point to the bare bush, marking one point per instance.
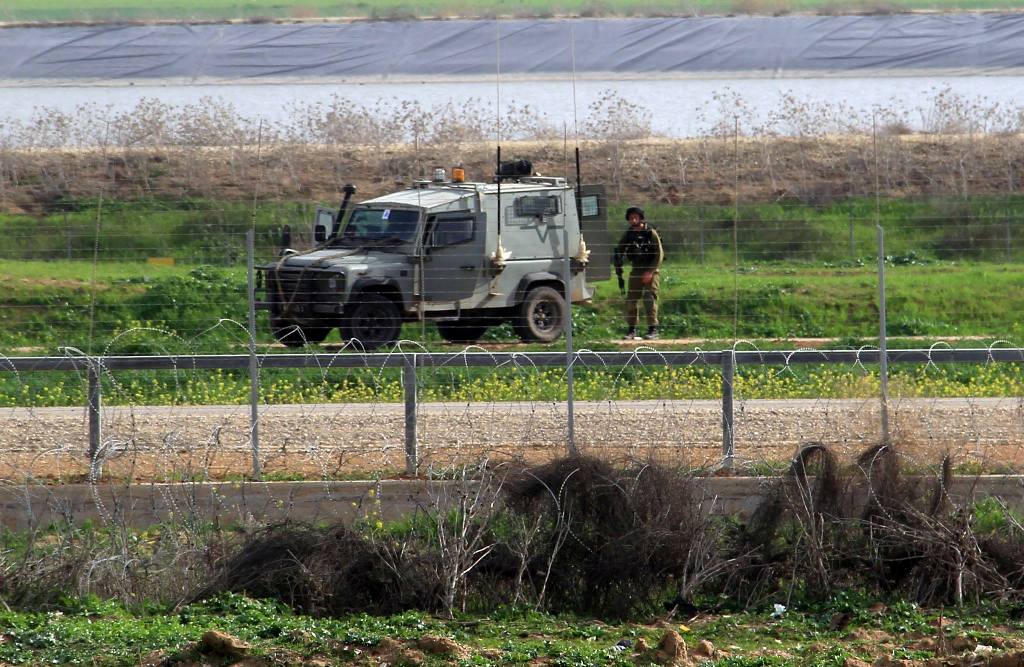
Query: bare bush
point(613, 117)
point(613, 538)
point(809, 151)
point(165, 565)
point(872, 525)
point(427, 562)
point(464, 532)
point(318, 571)
point(576, 534)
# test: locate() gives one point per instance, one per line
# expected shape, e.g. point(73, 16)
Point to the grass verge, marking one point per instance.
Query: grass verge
point(93, 632)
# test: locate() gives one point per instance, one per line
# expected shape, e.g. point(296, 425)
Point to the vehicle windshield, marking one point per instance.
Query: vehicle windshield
point(380, 226)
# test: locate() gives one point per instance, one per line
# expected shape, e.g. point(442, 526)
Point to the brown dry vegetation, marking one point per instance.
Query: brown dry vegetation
point(579, 535)
point(707, 170)
point(807, 151)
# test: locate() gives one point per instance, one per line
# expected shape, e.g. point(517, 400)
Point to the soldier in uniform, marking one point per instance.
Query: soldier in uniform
point(641, 247)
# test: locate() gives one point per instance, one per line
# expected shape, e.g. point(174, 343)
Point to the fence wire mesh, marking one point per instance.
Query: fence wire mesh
point(128, 247)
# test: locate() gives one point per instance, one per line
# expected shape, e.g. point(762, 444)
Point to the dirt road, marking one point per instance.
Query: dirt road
point(163, 443)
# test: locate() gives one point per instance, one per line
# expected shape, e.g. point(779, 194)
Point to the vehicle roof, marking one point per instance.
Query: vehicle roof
point(441, 194)
point(516, 186)
point(427, 198)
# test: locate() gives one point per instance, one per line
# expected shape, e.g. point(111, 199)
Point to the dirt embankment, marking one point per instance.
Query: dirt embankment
point(713, 170)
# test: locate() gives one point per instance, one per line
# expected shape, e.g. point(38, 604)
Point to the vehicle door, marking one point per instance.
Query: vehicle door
point(453, 249)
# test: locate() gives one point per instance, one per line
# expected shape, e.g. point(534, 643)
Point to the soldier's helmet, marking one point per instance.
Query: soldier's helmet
point(634, 209)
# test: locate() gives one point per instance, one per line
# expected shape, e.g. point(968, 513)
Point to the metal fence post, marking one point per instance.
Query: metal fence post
point(570, 371)
point(728, 430)
point(411, 443)
point(254, 368)
point(95, 404)
point(883, 354)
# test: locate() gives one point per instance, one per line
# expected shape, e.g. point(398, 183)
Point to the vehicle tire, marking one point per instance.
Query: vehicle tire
point(292, 335)
point(371, 319)
point(541, 316)
point(464, 330)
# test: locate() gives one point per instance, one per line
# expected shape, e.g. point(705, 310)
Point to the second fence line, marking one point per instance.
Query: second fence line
point(727, 360)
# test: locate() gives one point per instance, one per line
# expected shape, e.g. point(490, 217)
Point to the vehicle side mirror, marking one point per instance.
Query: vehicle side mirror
point(323, 224)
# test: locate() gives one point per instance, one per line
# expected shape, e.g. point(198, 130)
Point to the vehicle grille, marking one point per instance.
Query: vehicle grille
point(291, 291)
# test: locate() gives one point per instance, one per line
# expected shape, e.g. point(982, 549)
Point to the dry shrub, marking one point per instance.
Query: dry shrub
point(613, 117)
point(577, 534)
point(792, 537)
point(321, 571)
point(810, 151)
point(613, 540)
point(896, 128)
point(426, 562)
point(165, 565)
point(871, 525)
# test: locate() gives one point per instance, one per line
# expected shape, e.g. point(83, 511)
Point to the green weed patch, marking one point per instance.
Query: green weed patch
point(281, 386)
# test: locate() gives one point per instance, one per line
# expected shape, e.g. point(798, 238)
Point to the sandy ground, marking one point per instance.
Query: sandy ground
point(358, 440)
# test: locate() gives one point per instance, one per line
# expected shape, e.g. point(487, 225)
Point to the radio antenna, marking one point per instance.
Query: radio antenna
point(576, 124)
point(575, 114)
point(497, 118)
point(570, 354)
point(498, 257)
point(497, 77)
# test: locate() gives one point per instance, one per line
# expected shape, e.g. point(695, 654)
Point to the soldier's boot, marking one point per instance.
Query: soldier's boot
point(630, 334)
point(652, 333)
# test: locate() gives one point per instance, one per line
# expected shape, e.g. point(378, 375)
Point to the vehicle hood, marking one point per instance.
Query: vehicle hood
point(342, 258)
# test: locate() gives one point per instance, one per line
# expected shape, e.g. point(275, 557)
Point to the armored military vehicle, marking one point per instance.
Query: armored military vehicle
point(466, 255)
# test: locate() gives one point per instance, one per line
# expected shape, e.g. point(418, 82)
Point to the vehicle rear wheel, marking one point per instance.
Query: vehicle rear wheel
point(371, 319)
point(292, 335)
point(463, 330)
point(541, 316)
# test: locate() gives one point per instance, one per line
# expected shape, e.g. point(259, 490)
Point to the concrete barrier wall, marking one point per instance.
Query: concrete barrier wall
point(142, 505)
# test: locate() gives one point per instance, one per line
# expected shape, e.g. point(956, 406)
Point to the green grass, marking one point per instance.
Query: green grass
point(937, 286)
point(193, 231)
point(199, 308)
point(95, 632)
point(106, 10)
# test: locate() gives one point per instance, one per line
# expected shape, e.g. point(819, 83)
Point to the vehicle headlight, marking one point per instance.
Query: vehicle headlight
point(335, 283)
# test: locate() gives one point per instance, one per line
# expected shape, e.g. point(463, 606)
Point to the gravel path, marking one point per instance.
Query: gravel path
point(357, 439)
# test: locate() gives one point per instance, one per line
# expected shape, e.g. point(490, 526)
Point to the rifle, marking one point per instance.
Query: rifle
point(622, 283)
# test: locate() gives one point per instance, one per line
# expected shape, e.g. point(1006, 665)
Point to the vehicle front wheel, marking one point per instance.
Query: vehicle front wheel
point(541, 316)
point(293, 335)
point(371, 319)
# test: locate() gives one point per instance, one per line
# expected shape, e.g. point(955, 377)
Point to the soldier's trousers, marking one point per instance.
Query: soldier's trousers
point(638, 292)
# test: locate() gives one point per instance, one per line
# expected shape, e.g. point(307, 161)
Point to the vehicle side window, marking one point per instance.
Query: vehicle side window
point(450, 231)
point(536, 206)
